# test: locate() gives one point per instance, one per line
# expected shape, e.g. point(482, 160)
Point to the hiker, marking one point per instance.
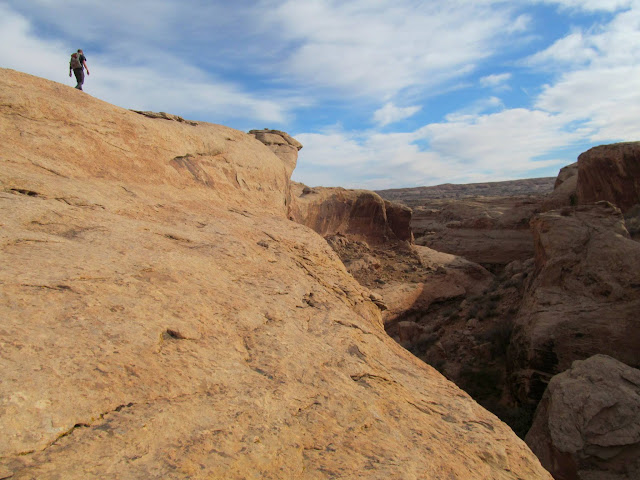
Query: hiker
point(78, 63)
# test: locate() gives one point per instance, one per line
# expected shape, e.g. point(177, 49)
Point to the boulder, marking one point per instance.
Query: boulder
point(161, 317)
point(564, 190)
point(587, 425)
point(611, 173)
point(583, 300)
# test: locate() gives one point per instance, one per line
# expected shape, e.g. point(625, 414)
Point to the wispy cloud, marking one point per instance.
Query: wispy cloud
point(136, 78)
point(496, 80)
point(502, 145)
point(591, 5)
point(389, 114)
point(381, 48)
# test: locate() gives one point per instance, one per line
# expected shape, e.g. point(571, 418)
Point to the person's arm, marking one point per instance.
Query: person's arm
point(69, 68)
point(84, 62)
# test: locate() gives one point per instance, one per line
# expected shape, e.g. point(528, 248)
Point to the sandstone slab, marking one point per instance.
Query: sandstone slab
point(161, 317)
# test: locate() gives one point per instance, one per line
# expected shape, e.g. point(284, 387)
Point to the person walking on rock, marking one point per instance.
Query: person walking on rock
point(78, 63)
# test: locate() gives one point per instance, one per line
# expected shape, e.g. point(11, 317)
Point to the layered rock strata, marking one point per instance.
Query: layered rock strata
point(491, 231)
point(161, 317)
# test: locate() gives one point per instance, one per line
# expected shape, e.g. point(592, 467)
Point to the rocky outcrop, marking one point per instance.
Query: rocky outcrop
point(286, 149)
point(611, 173)
point(373, 238)
point(587, 425)
point(583, 300)
point(161, 317)
point(360, 214)
point(282, 144)
point(564, 190)
point(399, 219)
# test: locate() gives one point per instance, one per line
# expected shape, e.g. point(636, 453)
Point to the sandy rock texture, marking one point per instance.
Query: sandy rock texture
point(161, 317)
point(282, 144)
point(611, 173)
point(584, 298)
point(587, 425)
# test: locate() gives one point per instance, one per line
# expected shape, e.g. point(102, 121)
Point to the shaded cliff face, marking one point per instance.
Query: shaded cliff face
point(611, 173)
point(583, 299)
point(162, 317)
point(360, 214)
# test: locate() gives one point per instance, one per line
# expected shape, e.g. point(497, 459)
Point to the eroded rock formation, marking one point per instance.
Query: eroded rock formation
point(282, 144)
point(491, 231)
point(162, 317)
point(588, 423)
point(611, 173)
point(583, 300)
point(564, 190)
point(360, 214)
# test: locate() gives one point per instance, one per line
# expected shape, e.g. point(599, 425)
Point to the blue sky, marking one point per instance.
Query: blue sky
point(382, 94)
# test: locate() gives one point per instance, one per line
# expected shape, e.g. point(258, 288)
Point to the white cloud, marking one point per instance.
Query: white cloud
point(592, 5)
point(380, 48)
point(474, 109)
point(151, 80)
point(495, 80)
point(503, 145)
point(605, 101)
point(599, 88)
point(508, 141)
point(572, 49)
point(389, 113)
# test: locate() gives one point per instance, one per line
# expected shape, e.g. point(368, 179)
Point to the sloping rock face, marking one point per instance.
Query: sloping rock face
point(584, 298)
point(588, 423)
point(611, 173)
point(161, 317)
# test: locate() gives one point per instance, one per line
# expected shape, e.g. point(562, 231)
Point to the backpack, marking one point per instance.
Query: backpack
point(75, 61)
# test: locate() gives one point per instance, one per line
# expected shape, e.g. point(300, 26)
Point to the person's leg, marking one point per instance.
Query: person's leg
point(79, 73)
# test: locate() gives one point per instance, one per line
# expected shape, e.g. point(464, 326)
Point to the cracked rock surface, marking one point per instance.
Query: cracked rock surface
point(162, 318)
